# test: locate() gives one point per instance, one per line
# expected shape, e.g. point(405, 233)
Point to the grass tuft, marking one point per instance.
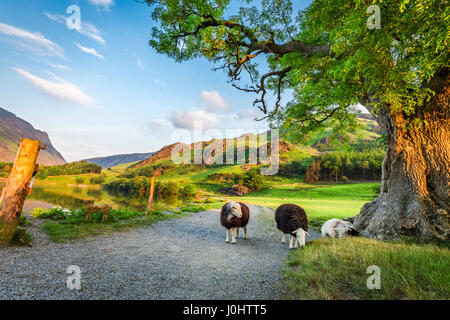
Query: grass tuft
point(336, 269)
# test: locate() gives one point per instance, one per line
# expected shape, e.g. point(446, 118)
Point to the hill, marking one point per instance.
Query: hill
point(368, 132)
point(13, 129)
point(111, 161)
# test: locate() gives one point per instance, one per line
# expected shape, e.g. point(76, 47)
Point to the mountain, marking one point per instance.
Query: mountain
point(13, 129)
point(368, 132)
point(111, 161)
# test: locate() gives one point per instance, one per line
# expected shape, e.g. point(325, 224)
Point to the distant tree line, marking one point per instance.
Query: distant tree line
point(345, 165)
point(141, 185)
point(250, 179)
point(79, 167)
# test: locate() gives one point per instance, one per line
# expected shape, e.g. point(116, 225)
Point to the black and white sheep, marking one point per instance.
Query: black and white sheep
point(291, 219)
point(234, 215)
point(336, 228)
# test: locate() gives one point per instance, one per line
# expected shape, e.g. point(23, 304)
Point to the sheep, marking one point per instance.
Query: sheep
point(336, 228)
point(291, 219)
point(234, 215)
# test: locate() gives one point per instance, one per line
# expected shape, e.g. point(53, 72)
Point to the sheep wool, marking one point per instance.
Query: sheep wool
point(234, 215)
point(291, 219)
point(336, 228)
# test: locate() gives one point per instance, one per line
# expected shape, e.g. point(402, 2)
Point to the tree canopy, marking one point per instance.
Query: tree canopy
point(326, 54)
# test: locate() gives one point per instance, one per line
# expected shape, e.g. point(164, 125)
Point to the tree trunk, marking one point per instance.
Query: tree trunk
point(16, 189)
point(414, 198)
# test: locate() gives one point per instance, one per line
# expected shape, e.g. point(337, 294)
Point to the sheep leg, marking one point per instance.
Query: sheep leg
point(295, 242)
point(237, 232)
point(303, 235)
point(291, 240)
point(228, 236)
point(283, 237)
point(233, 231)
point(245, 232)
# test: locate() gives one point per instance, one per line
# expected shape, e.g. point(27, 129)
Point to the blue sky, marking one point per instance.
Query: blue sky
point(102, 90)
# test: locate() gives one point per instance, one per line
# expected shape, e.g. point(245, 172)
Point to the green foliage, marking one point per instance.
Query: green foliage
point(148, 171)
point(5, 169)
point(357, 165)
point(66, 216)
point(193, 208)
point(73, 168)
point(21, 237)
point(389, 65)
point(79, 180)
point(97, 180)
point(344, 179)
point(189, 190)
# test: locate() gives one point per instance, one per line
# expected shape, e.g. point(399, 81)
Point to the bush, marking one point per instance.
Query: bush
point(78, 216)
point(79, 180)
point(344, 179)
point(97, 180)
point(189, 190)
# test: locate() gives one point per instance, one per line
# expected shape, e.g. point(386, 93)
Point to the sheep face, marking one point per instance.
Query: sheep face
point(234, 209)
point(352, 232)
point(300, 235)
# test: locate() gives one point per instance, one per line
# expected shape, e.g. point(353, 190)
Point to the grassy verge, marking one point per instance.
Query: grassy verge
point(321, 202)
point(60, 232)
point(336, 269)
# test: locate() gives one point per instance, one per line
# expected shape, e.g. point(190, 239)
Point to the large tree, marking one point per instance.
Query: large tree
point(329, 60)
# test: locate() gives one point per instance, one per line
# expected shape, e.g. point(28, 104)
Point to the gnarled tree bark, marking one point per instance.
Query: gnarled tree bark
point(414, 197)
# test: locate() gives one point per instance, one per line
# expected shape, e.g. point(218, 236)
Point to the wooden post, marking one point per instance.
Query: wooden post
point(17, 188)
point(150, 198)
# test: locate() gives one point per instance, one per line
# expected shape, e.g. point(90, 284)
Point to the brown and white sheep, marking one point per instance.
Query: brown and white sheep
point(291, 219)
point(234, 215)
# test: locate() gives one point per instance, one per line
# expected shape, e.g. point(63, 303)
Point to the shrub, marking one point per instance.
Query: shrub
point(97, 180)
point(189, 190)
point(79, 180)
point(344, 179)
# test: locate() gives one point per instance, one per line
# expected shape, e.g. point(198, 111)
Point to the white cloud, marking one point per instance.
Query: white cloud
point(60, 66)
point(214, 102)
point(140, 64)
point(159, 82)
point(90, 51)
point(160, 124)
point(190, 119)
point(34, 41)
point(104, 3)
point(87, 29)
point(61, 90)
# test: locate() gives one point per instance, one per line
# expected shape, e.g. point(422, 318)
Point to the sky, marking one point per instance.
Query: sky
point(99, 89)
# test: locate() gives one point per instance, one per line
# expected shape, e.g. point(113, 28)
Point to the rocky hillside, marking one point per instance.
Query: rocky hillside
point(13, 129)
point(111, 161)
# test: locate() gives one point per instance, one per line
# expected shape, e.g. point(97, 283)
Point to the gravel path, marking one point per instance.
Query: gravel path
point(175, 259)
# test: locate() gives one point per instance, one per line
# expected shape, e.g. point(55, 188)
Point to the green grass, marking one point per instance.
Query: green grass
point(336, 269)
point(59, 232)
point(321, 202)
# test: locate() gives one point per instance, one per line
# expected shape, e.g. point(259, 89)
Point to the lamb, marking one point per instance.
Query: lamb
point(234, 215)
point(336, 228)
point(291, 219)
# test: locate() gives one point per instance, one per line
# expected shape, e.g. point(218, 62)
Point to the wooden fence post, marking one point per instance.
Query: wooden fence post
point(17, 188)
point(150, 197)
